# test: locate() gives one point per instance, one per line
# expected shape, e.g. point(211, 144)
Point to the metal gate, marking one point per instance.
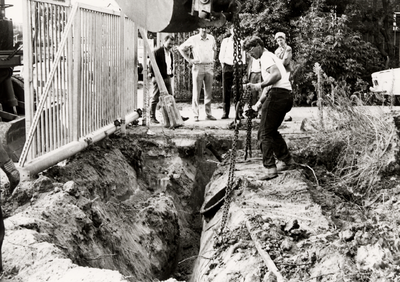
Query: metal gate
point(80, 69)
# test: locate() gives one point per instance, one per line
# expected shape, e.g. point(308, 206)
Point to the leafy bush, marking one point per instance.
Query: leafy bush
point(344, 56)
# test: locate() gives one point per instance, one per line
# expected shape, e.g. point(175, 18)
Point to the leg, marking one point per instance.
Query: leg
point(168, 85)
point(208, 81)
point(198, 77)
point(227, 82)
point(270, 140)
point(154, 100)
point(2, 232)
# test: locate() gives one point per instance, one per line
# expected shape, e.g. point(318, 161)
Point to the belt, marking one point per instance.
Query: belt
point(204, 64)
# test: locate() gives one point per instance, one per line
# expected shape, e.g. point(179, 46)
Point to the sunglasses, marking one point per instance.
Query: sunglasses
point(252, 49)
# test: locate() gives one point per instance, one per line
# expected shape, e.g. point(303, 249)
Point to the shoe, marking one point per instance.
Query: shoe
point(281, 165)
point(224, 117)
point(184, 118)
point(154, 120)
point(288, 118)
point(271, 173)
point(196, 119)
point(211, 118)
point(12, 174)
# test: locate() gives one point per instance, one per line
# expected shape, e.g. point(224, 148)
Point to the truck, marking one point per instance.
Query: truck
point(12, 121)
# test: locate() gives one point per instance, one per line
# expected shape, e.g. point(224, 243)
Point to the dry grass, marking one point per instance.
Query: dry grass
point(366, 138)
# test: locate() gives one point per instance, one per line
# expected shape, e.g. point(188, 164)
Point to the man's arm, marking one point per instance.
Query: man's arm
point(273, 77)
point(184, 51)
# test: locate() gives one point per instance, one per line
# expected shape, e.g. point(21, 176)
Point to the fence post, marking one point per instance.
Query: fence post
point(135, 64)
point(145, 116)
point(319, 95)
point(27, 71)
point(75, 94)
point(122, 74)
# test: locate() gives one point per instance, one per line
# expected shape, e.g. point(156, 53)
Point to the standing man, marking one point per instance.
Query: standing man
point(165, 62)
point(275, 104)
point(226, 59)
point(204, 50)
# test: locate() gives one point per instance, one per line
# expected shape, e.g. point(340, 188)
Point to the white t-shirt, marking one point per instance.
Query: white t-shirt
point(255, 65)
point(267, 60)
point(203, 49)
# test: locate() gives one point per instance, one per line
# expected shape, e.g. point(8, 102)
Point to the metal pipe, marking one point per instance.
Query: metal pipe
point(44, 162)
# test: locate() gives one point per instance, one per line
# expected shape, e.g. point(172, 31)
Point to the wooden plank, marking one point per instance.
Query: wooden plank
point(265, 256)
point(161, 85)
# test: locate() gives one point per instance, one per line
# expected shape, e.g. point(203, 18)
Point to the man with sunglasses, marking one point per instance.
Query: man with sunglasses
point(276, 100)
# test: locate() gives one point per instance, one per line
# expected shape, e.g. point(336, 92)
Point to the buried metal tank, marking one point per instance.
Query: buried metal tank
point(261, 218)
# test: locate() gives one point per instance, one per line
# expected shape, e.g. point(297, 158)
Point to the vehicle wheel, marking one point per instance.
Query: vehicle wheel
point(18, 86)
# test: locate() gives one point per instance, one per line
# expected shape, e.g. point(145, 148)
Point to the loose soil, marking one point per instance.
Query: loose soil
point(128, 209)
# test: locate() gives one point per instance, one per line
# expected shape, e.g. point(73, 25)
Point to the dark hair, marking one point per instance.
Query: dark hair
point(251, 42)
point(169, 37)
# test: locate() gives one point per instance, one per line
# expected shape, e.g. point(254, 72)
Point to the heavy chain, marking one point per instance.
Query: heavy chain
point(238, 74)
point(250, 116)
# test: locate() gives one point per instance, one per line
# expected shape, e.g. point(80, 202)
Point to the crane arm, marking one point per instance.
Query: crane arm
point(179, 15)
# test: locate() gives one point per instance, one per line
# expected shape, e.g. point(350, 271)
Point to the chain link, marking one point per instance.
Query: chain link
point(250, 116)
point(238, 75)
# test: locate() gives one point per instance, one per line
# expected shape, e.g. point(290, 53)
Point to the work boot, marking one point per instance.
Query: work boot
point(271, 173)
point(12, 174)
point(154, 120)
point(281, 165)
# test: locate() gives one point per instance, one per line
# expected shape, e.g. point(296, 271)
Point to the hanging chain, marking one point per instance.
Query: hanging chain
point(238, 74)
point(250, 115)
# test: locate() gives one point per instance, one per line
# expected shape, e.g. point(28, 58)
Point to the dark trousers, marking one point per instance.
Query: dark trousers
point(156, 94)
point(227, 89)
point(279, 101)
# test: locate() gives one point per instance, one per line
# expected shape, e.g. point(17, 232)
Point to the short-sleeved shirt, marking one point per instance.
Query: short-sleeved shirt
point(203, 49)
point(267, 60)
point(255, 65)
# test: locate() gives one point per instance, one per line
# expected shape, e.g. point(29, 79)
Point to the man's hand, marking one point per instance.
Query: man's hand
point(256, 106)
point(192, 62)
point(254, 86)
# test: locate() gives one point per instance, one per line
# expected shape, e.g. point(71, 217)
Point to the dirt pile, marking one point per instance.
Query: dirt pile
point(127, 209)
point(123, 210)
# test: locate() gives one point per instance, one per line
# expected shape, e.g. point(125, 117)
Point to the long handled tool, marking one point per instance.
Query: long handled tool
point(171, 115)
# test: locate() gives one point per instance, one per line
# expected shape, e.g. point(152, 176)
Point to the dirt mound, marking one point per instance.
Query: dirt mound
point(120, 211)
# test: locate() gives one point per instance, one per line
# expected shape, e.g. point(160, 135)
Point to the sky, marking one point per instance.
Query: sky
point(15, 12)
